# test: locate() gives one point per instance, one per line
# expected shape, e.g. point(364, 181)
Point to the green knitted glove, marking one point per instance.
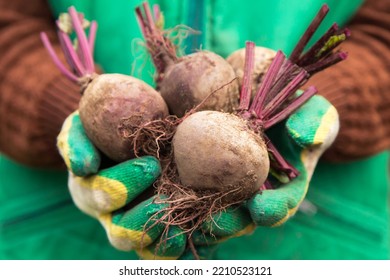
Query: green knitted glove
point(112, 196)
point(309, 132)
point(301, 140)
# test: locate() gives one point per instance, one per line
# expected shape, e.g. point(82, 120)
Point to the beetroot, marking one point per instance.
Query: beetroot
point(234, 151)
point(185, 82)
point(112, 100)
point(231, 156)
point(109, 100)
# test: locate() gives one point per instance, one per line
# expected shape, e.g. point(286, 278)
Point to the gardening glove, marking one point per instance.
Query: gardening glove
point(302, 139)
point(117, 196)
point(307, 134)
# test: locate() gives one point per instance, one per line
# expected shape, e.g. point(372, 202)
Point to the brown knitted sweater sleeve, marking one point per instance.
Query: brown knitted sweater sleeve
point(34, 97)
point(360, 86)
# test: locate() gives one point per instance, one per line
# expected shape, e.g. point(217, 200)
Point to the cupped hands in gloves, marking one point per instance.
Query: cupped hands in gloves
point(112, 195)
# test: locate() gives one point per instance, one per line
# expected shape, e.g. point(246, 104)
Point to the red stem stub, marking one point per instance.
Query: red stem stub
point(276, 98)
point(316, 22)
point(248, 71)
point(78, 53)
point(322, 53)
point(160, 47)
point(274, 101)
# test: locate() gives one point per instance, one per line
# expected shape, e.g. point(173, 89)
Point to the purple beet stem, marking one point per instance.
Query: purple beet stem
point(276, 98)
point(81, 62)
point(149, 31)
point(83, 42)
point(270, 76)
point(308, 56)
point(246, 90)
point(296, 53)
point(55, 58)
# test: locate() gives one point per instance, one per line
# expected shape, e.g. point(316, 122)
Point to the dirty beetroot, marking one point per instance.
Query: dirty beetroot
point(214, 158)
point(186, 81)
point(107, 99)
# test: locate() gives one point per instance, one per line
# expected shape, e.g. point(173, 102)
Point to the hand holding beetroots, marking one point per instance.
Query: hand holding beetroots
point(221, 159)
point(120, 196)
point(212, 161)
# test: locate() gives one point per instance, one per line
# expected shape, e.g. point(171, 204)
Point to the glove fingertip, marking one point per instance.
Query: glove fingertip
point(311, 124)
point(89, 165)
point(151, 166)
point(268, 211)
point(170, 246)
point(80, 155)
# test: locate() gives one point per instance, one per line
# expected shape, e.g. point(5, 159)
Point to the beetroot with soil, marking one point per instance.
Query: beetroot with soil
point(108, 100)
point(185, 82)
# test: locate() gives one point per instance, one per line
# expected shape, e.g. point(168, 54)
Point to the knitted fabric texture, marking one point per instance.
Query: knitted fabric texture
point(34, 97)
point(359, 86)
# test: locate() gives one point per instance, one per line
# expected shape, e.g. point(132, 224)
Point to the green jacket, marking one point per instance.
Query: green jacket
point(345, 215)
